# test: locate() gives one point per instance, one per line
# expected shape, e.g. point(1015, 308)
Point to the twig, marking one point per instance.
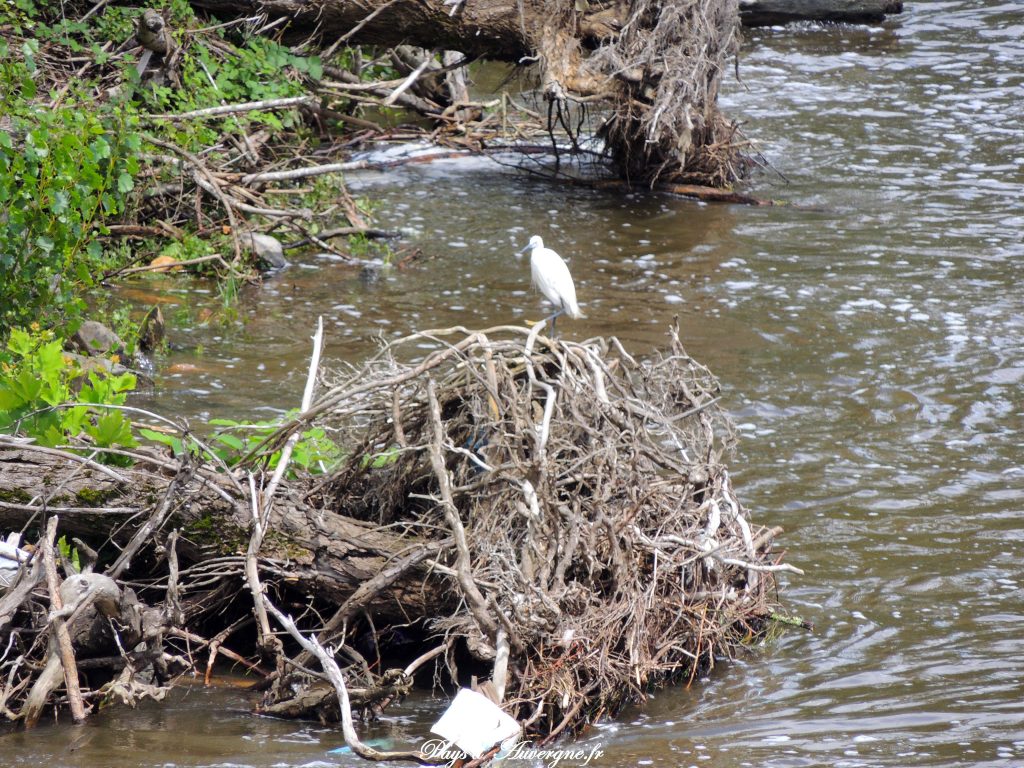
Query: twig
point(463, 562)
point(407, 83)
point(237, 109)
point(67, 654)
point(419, 661)
point(330, 667)
point(303, 173)
point(169, 267)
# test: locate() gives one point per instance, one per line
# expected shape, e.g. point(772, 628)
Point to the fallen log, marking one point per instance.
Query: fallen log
point(762, 13)
point(331, 554)
point(654, 65)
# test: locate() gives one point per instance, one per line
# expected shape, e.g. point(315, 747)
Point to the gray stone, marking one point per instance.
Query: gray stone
point(101, 365)
point(267, 249)
point(95, 339)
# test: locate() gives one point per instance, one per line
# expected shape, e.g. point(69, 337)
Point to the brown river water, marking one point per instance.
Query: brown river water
point(869, 342)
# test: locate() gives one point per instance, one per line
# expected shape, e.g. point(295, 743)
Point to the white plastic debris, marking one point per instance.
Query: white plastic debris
point(475, 724)
point(11, 558)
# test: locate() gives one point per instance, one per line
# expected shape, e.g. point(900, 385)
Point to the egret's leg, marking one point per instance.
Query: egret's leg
point(552, 319)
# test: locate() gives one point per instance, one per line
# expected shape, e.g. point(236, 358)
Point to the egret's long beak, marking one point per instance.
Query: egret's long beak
point(524, 249)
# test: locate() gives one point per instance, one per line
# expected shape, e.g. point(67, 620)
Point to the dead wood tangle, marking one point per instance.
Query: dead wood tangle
point(554, 519)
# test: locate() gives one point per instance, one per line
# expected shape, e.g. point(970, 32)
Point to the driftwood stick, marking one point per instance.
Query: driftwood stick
point(175, 266)
point(549, 402)
point(237, 109)
point(252, 572)
point(407, 83)
point(330, 667)
point(303, 173)
point(307, 400)
point(766, 536)
point(500, 674)
point(172, 606)
point(463, 562)
point(433, 653)
point(67, 654)
point(261, 503)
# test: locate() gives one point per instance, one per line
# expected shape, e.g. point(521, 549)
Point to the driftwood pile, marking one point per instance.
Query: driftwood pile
point(550, 521)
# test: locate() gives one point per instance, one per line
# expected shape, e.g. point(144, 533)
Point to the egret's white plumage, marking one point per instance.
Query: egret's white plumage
point(552, 278)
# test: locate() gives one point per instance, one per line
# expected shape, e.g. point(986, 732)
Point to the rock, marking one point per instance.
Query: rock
point(95, 339)
point(98, 364)
point(268, 250)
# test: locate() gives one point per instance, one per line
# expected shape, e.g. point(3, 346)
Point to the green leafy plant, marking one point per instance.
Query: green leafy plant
point(63, 172)
point(362, 247)
point(69, 553)
point(38, 400)
point(383, 459)
point(314, 452)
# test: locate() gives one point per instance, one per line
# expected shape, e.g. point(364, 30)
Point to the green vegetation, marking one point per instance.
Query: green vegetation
point(63, 172)
point(69, 161)
point(69, 553)
point(86, 155)
point(37, 386)
point(314, 452)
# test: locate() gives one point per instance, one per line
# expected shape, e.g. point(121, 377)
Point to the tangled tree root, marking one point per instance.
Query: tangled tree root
point(590, 544)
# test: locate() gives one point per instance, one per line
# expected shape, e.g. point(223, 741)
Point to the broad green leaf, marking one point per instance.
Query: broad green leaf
point(9, 399)
point(159, 437)
point(20, 342)
point(231, 441)
point(112, 428)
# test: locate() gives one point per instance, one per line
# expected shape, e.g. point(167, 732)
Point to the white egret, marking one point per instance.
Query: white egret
point(552, 278)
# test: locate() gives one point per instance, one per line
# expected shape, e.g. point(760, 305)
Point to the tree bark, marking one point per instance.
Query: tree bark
point(480, 28)
point(318, 553)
